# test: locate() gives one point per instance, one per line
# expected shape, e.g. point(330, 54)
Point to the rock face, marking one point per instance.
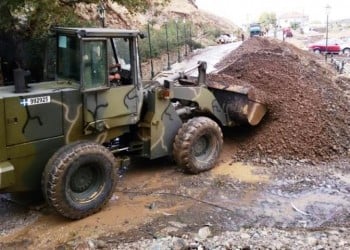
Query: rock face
point(308, 115)
point(117, 16)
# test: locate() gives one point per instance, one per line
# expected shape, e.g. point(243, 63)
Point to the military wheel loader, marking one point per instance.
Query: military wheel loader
point(68, 136)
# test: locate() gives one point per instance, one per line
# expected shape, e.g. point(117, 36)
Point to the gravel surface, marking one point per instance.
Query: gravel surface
point(252, 238)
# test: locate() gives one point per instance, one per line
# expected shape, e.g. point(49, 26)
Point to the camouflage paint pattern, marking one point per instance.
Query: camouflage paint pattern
point(204, 98)
point(35, 132)
point(160, 124)
point(117, 107)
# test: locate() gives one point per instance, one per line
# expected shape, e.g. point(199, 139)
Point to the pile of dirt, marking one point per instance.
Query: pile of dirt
point(308, 115)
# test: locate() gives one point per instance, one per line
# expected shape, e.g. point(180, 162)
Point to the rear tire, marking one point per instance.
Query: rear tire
point(197, 145)
point(79, 179)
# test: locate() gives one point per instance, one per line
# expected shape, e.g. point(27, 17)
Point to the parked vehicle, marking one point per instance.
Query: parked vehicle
point(255, 29)
point(226, 38)
point(287, 32)
point(322, 46)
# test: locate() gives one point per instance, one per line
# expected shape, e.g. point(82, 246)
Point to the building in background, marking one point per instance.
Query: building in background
point(293, 19)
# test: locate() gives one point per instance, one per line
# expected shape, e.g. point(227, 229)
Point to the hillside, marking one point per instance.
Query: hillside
point(118, 16)
point(204, 26)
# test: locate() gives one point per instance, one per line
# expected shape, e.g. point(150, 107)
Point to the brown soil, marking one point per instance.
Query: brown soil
point(308, 115)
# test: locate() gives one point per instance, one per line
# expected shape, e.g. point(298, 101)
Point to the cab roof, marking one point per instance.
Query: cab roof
point(97, 32)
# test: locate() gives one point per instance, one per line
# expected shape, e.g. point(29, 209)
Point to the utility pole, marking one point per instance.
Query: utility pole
point(177, 41)
point(191, 48)
point(328, 9)
point(167, 43)
point(101, 10)
point(185, 37)
point(150, 49)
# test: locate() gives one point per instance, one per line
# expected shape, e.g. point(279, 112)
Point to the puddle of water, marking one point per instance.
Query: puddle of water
point(239, 171)
point(238, 197)
point(314, 197)
point(125, 211)
point(343, 177)
point(306, 205)
point(309, 208)
point(118, 216)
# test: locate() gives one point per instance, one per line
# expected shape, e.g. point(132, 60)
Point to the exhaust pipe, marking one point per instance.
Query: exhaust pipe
point(19, 75)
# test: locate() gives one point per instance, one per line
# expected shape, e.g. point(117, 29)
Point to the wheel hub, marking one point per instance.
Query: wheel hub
point(200, 147)
point(82, 179)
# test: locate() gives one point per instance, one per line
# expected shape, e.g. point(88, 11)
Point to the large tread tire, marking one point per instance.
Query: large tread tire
point(79, 179)
point(198, 144)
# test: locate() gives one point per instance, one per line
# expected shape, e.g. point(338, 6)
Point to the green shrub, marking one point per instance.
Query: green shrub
point(178, 35)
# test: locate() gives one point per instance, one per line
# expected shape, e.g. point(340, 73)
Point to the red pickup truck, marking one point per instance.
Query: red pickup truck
point(332, 47)
point(287, 32)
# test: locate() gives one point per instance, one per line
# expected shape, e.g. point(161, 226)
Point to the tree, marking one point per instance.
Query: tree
point(268, 20)
point(33, 18)
point(25, 24)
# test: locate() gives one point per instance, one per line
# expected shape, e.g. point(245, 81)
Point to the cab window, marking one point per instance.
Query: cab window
point(94, 64)
point(122, 46)
point(68, 58)
point(120, 61)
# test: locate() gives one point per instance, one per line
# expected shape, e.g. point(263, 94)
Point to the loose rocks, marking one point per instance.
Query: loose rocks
point(308, 115)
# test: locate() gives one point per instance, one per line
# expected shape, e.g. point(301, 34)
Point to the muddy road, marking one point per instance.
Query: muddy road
point(155, 199)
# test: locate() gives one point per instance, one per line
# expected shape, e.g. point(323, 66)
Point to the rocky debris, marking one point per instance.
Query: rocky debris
point(343, 83)
point(252, 238)
point(308, 115)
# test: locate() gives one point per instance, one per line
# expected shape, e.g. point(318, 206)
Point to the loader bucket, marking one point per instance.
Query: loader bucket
point(242, 104)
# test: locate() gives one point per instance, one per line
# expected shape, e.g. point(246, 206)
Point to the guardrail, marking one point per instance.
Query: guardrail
point(341, 63)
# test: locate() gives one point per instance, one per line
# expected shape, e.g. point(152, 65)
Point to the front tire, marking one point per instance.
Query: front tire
point(198, 144)
point(79, 179)
point(346, 51)
point(317, 51)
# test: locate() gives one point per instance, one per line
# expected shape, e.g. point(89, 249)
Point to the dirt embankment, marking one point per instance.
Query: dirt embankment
point(309, 114)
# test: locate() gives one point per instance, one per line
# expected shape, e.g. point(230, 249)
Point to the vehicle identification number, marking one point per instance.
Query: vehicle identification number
point(36, 100)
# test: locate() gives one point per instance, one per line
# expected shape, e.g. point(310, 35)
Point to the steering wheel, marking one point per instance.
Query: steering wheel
point(125, 75)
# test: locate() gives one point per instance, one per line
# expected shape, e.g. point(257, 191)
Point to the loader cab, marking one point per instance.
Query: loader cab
point(87, 57)
point(90, 59)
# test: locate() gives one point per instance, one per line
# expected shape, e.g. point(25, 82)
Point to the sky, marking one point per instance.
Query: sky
point(246, 11)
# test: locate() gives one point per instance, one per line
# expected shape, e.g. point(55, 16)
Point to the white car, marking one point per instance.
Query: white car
point(226, 38)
